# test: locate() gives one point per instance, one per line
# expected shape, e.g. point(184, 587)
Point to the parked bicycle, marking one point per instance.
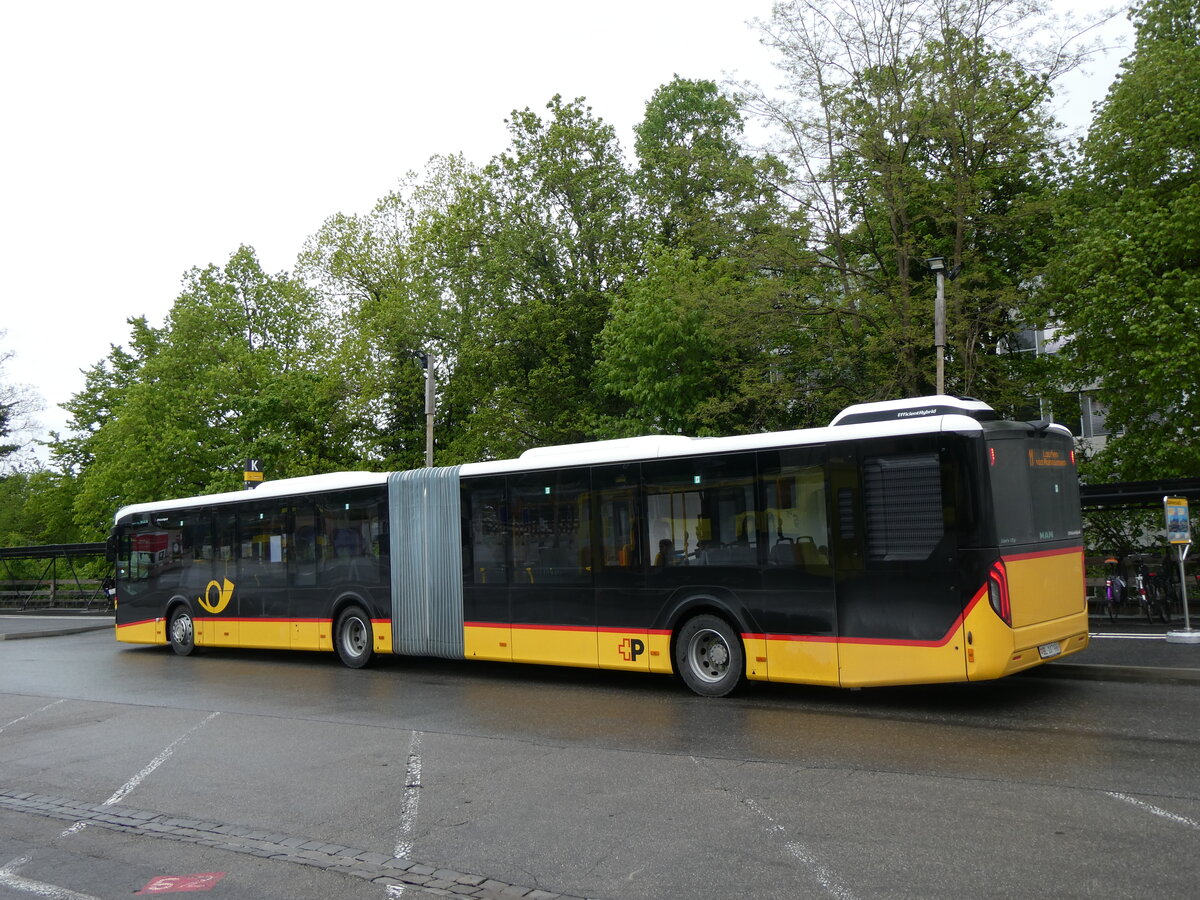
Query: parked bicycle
point(1114, 594)
point(1158, 595)
point(1146, 596)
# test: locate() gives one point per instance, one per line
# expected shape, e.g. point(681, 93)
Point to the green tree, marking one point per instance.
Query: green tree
point(698, 186)
point(918, 128)
point(553, 239)
point(242, 368)
point(409, 277)
point(702, 337)
point(659, 353)
point(1126, 286)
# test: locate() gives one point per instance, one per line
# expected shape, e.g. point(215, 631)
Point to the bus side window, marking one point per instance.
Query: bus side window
point(616, 490)
point(304, 552)
point(705, 508)
point(265, 548)
point(552, 524)
point(485, 508)
point(795, 515)
point(349, 539)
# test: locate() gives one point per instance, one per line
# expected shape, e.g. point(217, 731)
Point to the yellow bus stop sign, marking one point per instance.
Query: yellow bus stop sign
point(1179, 526)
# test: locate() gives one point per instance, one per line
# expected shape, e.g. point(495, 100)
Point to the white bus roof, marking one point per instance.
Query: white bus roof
point(283, 487)
point(668, 446)
point(925, 415)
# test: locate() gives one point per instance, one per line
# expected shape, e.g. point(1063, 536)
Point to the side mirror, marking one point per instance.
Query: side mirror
point(112, 545)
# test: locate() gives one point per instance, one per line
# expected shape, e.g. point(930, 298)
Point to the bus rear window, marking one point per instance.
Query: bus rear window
point(1035, 488)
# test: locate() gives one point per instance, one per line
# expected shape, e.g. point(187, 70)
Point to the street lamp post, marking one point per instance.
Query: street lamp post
point(937, 265)
point(427, 361)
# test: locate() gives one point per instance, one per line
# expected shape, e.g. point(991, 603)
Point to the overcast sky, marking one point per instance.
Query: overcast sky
point(140, 139)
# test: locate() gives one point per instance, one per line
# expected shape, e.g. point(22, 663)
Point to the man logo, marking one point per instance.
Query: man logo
point(224, 595)
point(631, 648)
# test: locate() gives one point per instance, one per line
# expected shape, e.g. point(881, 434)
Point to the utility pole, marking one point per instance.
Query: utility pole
point(428, 361)
point(430, 406)
point(938, 265)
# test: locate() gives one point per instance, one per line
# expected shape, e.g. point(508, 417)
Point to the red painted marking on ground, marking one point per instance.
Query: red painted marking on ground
point(179, 884)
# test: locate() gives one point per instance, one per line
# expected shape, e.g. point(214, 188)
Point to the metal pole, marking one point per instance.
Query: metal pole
point(939, 331)
point(430, 407)
point(1179, 533)
point(1183, 549)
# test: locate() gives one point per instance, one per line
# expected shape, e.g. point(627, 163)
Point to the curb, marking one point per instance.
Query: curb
point(24, 635)
point(1139, 674)
point(379, 868)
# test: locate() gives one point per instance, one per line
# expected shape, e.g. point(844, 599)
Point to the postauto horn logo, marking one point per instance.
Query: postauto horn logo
point(224, 593)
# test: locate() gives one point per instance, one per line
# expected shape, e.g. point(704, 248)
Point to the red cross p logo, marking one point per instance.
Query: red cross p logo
point(631, 648)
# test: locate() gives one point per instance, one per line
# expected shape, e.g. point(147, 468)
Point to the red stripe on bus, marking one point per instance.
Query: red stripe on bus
point(883, 642)
point(811, 638)
point(601, 629)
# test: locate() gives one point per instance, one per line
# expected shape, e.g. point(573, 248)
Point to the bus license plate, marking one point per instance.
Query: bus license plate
point(1045, 651)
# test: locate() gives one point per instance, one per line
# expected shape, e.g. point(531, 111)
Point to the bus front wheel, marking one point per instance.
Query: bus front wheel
point(181, 632)
point(709, 656)
point(353, 637)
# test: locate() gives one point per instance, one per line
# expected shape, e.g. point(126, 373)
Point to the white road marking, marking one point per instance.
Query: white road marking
point(10, 879)
point(1126, 636)
point(124, 790)
point(823, 876)
point(798, 851)
point(412, 797)
point(408, 809)
point(34, 713)
point(1150, 808)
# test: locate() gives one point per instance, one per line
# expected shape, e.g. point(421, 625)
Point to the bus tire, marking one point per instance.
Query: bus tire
point(353, 637)
point(709, 656)
point(181, 631)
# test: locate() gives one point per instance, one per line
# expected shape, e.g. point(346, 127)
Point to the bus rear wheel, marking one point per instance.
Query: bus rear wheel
point(181, 632)
point(709, 656)
point(352, 637)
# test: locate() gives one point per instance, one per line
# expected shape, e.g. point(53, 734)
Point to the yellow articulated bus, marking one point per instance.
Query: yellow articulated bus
point(908, 542)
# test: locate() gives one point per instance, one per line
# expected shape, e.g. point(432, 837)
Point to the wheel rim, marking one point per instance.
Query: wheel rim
point(354, 636)
point(181, 630)
point(708, 655)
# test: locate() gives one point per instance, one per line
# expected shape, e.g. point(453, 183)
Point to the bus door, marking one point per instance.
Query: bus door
point(625, 605)
point(217, 614)
point(262, 583)
point(797, 607)
point(308, 604)
point(899, 601)
point(552, 598)
point(487, 525)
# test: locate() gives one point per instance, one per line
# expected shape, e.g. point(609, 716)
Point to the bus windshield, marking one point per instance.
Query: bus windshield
point(1035, 488)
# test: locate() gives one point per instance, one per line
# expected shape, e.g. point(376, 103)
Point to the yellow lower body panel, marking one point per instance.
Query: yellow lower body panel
point(307, 634)
point(791, 659)
point(868, 663)
point(382, 629)
point(487, 641)
point(554, 646)
point(150, 631)
point(995, 650)
point(633, 650)
point(265, 634)
point(255, 634)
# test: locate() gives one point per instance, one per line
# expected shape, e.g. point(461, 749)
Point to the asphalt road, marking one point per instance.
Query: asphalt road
point(290, 776)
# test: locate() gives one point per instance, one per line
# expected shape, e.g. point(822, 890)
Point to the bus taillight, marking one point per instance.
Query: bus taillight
point(998, 592)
